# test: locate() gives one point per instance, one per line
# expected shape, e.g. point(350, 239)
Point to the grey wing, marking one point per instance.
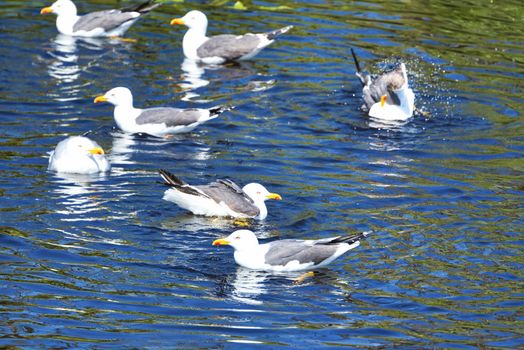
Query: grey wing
point(107, 20)
point(231, 184)
point(237, 201)
point(384, 85)
point(169, 116)
point(228, 46)
point(284, 251)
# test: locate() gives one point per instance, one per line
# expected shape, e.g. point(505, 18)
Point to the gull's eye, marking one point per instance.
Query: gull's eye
point(258, 192)
point(237, 237)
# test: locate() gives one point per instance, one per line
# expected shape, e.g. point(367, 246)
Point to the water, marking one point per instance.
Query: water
point(96, 262)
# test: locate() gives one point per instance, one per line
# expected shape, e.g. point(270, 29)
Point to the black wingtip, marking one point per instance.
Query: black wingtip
point(171, 179)
point(278, 32)
point(144, 7)
point(216, 110)
point(357, 65)
point(352, 238)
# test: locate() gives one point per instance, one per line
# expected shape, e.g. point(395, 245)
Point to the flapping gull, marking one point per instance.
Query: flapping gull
point(158, 121)
point(96, 24)
point(219, 198)
point(287, 254)
point(387, 96)
point(221, 48)
point(78, 155)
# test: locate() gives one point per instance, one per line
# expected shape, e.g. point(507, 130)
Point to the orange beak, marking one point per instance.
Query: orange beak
point(383, 99)
point(221, 241)
point(96, 150)
point(100, 99)
point(274, 196)
point(46, 10)
point(177, 21)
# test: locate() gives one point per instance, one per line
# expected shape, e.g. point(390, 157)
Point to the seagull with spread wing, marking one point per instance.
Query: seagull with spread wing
point(387, 96)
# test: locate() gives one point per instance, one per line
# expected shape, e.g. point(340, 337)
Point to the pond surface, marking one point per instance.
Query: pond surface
point(96, 262)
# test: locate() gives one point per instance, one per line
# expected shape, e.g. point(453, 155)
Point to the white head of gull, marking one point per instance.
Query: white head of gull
point(222, 197)
point(96, 24)
point(159, 121)
point(78, 155)
point(287, 254)
point(220, 48)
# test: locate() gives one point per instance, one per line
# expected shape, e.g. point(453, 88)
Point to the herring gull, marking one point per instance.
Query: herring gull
point(222, 197)
point(287, 254)
point(387, 96)
point(78, 155)
point(96, 24)
point(159, 121)
point(221, 48)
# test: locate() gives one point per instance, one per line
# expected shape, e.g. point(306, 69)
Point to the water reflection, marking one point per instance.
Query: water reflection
point(78, 195)
point(122, 148)
point(192, 79)
point(65, 66)
point(248, 285)
point(73, 56)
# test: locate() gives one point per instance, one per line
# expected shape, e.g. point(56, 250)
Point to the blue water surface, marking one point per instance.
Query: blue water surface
point(103, 262)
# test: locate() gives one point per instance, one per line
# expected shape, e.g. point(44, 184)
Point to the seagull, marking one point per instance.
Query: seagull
point(287, 254)
point(158, 121)
point(222, 197)
point(221, 48)
point(96, 24)
point(78, 155)
point(387, 97)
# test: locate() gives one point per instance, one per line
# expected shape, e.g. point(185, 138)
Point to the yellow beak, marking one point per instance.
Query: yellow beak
point(221, 241)
point(100, 99)
point(274, 196)
point(383, 99)
point(177, 21)
point(96, 150)
point(46, 10)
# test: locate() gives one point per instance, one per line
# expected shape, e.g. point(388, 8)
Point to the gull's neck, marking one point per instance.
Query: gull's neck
point(193, 38)
point(65, 22)
point(125, 116)
point(252, 257)
point(261, 205)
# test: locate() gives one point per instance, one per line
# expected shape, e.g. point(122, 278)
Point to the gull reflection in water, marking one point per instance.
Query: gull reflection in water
point(65, 67)
point(122, 148)
point(192, 79)
point(79, 195)
point(125, 145)
point(83, 197)
point(226, 73)
point(248, 285)
point(67, 62)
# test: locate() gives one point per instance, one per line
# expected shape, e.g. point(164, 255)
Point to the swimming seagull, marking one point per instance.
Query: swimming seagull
point(78, 155)
point(287, 254)
point(387, 96)
point(96, 24)
point(158, 121)
point(222, 197)
point(221, 48)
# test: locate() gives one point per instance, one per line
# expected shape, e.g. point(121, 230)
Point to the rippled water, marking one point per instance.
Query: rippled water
point(91, 262)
